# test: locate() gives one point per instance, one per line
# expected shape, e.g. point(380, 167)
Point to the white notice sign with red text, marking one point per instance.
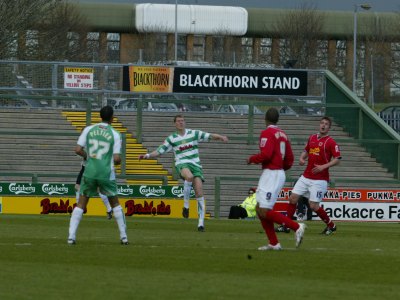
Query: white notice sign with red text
point(78, 78)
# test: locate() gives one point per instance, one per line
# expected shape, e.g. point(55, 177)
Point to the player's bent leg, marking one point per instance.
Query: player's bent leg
point(330, 226)
point(187, 188)
point(187, 175)
point(198, 187)
point(291, 209)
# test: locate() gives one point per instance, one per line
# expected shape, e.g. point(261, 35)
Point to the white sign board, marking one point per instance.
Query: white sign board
point(78, 78)
point(358, 211)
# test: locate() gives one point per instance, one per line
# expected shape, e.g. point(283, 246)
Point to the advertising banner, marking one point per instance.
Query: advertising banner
point(240, 81)
point(356, 211)
point(59, 189)
point(153, 207)
point(215, 81)
point(56, 198)
point(353, 195)
point(25, 189)
point(78, 78)
point(354, 204)
point(148, 79)
point(166, 201)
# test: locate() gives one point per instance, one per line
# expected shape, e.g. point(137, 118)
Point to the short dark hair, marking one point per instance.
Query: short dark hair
point(178, 116)
point(328, 119)
point(106, 113)
point(272, 115)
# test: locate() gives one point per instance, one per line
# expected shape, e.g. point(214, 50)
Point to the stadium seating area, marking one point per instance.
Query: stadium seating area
point(41, 141)
point(37, 141)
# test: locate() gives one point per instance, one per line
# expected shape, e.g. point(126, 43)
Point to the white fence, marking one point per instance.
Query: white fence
point(391, 116)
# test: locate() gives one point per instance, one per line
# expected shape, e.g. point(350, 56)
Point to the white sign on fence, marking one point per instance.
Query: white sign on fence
point(78, 78)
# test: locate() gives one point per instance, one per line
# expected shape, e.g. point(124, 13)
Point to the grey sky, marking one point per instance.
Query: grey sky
point(343, 5)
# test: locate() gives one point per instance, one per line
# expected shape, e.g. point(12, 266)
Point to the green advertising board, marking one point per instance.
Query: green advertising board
point(54, 189)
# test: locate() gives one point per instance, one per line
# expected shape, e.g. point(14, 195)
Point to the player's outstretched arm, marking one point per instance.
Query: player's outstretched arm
point(218, 137)
point(149, 155)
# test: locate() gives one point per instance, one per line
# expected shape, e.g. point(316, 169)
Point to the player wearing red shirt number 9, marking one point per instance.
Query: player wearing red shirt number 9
point(275, 157)
point(322, 153)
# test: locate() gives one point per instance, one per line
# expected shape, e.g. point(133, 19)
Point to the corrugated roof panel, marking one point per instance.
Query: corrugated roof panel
point(192, 19)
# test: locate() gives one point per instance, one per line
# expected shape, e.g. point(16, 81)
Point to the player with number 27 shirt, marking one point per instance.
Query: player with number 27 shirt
point(100, 145)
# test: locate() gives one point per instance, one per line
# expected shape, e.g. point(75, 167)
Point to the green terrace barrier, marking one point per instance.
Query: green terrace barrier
point(88, 101)
point(35, 177)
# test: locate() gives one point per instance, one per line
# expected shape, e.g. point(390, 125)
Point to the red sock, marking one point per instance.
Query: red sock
point(324, 217)
point(291, 209)
point(269, 231)
point(277, 217)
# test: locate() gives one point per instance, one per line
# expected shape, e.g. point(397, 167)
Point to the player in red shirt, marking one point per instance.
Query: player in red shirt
point(322, 153)
point(275, 156)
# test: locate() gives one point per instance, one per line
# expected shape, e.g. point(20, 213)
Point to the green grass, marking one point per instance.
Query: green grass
point(169, 259)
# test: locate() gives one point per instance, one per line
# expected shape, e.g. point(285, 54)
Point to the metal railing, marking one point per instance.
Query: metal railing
point(31, 78)
point(35, 177)
point(392, 118)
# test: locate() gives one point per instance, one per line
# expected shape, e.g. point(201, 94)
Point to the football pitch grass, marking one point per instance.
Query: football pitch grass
point(169, 259)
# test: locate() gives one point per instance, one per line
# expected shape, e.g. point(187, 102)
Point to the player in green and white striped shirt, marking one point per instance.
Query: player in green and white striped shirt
point(185, 144)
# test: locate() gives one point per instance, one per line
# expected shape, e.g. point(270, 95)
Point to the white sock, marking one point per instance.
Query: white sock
point(76, 218)
point(77, 197)
point(120, 218)
point(187, 187)
point(201, 208)
point(104, 198)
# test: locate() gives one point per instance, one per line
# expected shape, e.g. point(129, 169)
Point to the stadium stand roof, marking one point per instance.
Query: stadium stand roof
point(120, 17)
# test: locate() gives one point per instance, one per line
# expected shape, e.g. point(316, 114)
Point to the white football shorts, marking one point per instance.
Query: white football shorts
point(269, 187)
point(312, 189)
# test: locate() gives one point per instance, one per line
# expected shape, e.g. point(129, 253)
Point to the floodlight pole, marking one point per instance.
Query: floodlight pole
point(356, 6)
point(176, 31)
